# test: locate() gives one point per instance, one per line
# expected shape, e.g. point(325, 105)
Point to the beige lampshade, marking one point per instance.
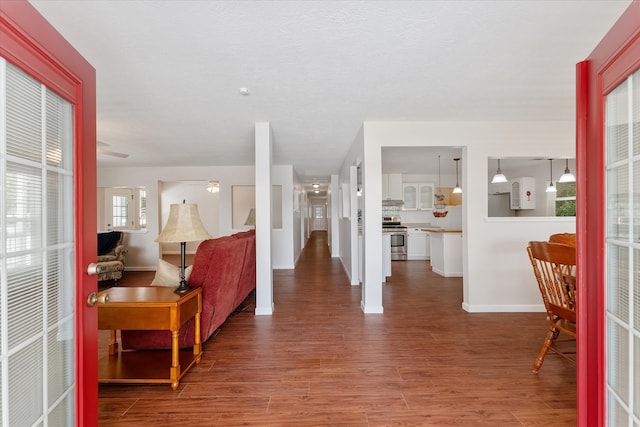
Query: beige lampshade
point(183, 225)
point(251, 218)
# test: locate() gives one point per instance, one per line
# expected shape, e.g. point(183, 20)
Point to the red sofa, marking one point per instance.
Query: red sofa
point(225, 269)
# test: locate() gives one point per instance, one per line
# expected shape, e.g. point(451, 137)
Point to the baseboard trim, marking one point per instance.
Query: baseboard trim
point(371, 310)
point(284, 267)
point(264, 311)
point(442, 273)
point(346, 270)
point(506, 308)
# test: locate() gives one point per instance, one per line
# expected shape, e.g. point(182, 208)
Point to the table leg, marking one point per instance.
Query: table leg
point(175, 360)
point(113, 343)
point(197, 346)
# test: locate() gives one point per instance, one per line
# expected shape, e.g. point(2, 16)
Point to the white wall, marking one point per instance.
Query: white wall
point(497, 273)
point(282, 255)
point(334, 216)
point(348, 224)
point(298, 217)
point(144, 251)
point(192, 192)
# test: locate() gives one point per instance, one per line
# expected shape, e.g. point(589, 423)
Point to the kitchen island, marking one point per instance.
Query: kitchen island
point(446, 251)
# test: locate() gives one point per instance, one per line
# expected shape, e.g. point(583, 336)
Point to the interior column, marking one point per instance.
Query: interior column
point(264, 272)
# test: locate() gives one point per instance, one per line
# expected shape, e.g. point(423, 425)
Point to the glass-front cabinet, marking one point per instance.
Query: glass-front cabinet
point(417, 196)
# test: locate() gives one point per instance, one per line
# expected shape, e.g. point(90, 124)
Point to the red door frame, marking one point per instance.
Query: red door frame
point(615, 57)
point(28, 41)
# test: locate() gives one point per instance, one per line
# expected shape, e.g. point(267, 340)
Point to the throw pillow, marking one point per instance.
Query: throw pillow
point(168, 274)
point(107, 242)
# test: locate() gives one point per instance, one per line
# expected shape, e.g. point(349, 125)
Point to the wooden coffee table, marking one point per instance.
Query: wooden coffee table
point(148, 308)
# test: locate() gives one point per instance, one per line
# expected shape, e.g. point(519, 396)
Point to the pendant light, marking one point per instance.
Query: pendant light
point(499, 177)
point(439, 206)
point(551, 188)
point(567, 176)
point(457, 189)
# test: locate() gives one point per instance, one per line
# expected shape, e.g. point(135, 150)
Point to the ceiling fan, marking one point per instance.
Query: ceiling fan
point(108, 152)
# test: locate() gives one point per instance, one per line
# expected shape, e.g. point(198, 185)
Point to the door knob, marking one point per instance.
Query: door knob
point(92, 269)
point(94, 298)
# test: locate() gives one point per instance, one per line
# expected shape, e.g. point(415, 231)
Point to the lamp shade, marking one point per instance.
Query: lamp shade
point(499, 176)
point(183, 225)
point(567, 176)
point(251, 218)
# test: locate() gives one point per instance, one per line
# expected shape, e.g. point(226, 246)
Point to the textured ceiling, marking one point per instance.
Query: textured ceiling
point(169, 72)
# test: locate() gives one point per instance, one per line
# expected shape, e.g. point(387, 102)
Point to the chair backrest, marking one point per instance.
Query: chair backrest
point(109, 241)
point(554, 265)
point(564, 238)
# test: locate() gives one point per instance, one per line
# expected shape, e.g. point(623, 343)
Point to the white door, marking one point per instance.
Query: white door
point(121, 208)
point(37, 276)
point(319, 217)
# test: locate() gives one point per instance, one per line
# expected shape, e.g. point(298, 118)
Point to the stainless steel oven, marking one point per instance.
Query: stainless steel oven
point(398, 234)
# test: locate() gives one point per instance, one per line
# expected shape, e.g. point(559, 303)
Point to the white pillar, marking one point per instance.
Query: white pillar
point(372, 176)
point(335, 216)
point(264, 272)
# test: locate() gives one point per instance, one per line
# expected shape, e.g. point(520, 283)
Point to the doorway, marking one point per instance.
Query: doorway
point(319, 212)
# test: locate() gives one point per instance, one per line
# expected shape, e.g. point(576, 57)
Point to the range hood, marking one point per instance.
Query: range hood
point(390, 202)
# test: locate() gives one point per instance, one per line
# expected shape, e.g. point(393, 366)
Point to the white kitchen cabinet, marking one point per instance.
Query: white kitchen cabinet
point(417, 196)
point(417, 244)
point(446, 253)
point(425, 196)
point(392, 186)
point(523, 193)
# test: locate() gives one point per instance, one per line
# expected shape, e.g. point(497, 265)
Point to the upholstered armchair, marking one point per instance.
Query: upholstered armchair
point(111, 253)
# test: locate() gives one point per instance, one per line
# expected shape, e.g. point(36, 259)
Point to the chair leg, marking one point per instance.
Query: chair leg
point(551, 336)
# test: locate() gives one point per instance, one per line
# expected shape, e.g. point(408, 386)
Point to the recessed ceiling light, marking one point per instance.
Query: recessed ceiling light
point(316, 185)
point(244, 91)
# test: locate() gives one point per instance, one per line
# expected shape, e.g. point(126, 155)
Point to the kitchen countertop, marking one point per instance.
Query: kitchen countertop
point(442, 230)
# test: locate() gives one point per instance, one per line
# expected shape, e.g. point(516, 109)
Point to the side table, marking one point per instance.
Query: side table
point(148, 308)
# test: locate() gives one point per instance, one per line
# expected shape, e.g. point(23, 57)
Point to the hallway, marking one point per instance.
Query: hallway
point(319, 361)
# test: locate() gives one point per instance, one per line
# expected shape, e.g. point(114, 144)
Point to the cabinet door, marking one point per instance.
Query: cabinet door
point(416, 244)
point(425, 197)
point(410, 197)
point(428, 245)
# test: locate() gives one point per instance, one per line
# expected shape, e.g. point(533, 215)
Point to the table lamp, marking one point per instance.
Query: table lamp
point(184, 225)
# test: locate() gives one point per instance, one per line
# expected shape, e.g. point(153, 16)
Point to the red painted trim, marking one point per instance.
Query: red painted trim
point(28, 41)
point(614, 57)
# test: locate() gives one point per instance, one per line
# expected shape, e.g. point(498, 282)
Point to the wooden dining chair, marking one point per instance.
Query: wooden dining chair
point(564, 238)
point(554, 265)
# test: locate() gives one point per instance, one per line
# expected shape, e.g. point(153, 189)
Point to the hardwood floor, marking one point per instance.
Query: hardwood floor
point(319, 361)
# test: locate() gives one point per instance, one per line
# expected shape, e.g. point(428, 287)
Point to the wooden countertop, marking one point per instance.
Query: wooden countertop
point(442, 230)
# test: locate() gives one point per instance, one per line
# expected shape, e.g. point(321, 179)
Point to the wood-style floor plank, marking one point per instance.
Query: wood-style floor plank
point(319, 361)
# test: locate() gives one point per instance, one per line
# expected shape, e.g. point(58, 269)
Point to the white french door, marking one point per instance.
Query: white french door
point(121, 208)
point(319, 216)
point(37, 278)
point(622, 142)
